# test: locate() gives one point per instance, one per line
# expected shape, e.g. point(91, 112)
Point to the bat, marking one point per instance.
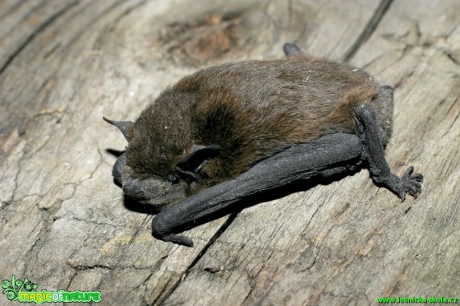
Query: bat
point(228, 132)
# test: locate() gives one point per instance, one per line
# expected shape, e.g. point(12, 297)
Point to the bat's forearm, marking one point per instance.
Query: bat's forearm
point(322, 157)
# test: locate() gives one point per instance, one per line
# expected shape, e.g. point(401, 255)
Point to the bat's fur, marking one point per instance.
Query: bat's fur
point(252, 110)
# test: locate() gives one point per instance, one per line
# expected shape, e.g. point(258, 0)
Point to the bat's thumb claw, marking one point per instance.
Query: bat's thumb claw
point(162, 230)
point(182, 240)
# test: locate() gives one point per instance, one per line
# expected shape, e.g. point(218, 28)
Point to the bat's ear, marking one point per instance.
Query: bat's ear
point(291, 49)
point(123, 126)
point(197, 158)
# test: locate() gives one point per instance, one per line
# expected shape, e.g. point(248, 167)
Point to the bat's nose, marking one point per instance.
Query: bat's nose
point(133, 190)
point(118, 168)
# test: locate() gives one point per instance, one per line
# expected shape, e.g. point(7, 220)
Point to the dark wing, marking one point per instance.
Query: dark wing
point(324, 156)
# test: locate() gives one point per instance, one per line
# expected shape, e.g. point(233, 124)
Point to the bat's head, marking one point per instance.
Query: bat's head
point(157, 190)
point(153, 170)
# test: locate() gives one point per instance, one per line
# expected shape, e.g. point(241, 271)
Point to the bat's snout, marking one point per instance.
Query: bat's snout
point(132, 190)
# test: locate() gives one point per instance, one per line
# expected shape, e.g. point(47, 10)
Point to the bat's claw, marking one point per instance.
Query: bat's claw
point(410, 183)
point(161, 229)
point(182, 240)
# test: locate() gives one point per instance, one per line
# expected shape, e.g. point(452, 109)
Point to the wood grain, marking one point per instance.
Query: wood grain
point(65, 225)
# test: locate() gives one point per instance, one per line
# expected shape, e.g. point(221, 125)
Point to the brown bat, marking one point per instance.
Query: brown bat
point(228, 132)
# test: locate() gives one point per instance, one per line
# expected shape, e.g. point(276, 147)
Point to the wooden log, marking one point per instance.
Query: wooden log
point(65, 225)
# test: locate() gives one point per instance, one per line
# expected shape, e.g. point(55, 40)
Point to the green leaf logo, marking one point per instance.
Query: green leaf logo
point(15, 286)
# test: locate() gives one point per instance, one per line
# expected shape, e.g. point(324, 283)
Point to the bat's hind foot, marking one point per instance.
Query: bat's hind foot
point(410, 183)
point(373, 151)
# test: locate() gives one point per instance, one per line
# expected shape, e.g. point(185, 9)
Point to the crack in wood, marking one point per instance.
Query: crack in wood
point(379, 13)
point(211, 241)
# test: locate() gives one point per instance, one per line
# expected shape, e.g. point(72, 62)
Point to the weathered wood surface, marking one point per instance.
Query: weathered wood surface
point(65, 64)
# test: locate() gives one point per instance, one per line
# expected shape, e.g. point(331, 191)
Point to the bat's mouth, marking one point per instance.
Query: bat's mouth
point(150, 191)
point(165, 200)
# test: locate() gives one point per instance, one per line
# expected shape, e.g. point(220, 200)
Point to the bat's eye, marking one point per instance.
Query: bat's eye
point(173, 178)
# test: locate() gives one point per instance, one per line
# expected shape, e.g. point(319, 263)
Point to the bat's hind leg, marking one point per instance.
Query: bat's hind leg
point(373, 152)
